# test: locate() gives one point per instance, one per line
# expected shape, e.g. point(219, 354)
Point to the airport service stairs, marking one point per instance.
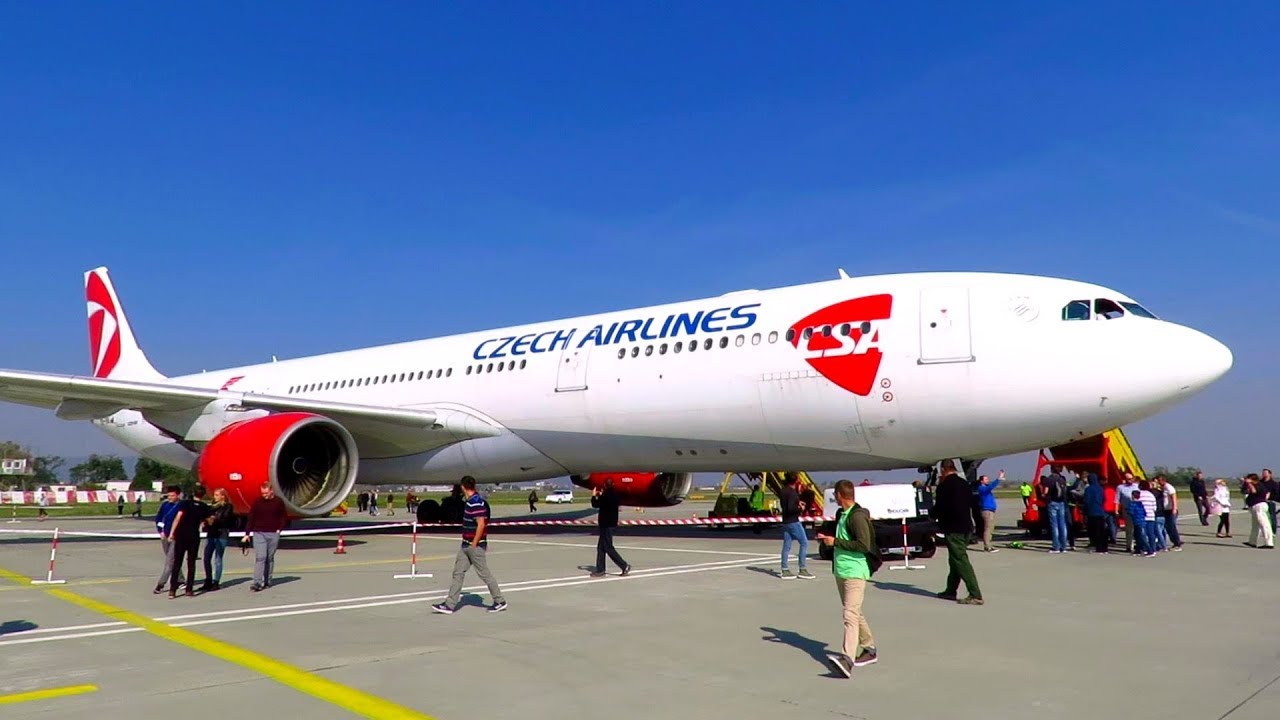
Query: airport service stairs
point(729, 504)
point(1109, 454)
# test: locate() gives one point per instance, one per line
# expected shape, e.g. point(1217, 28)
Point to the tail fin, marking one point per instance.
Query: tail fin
point(113, 350)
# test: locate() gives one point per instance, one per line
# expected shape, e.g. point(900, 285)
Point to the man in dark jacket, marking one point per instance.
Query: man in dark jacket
point(607, 502)
point(1095, 513)
point(185, 536)
point(952, 511)
point(267, 517)
point(793, 529)
point(1200, 494)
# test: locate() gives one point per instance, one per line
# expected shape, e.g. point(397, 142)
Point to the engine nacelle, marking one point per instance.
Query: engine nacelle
point(643, 489)
point(309, 460)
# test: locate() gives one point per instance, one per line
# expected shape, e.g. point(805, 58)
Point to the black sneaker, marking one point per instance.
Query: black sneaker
point(498, 607)
point(841, 663)
point(626, 570)
point(866, 657)
point(947, 595)
point(442, 608)
point(597, 574)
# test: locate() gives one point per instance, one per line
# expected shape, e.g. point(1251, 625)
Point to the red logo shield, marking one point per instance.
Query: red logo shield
point(104, 331)
point(842, 341)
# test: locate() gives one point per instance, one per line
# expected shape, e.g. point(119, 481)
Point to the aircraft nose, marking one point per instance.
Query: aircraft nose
point(1205, 360)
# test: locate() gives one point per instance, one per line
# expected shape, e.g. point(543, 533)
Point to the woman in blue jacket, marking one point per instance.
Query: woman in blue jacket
point(987, 501)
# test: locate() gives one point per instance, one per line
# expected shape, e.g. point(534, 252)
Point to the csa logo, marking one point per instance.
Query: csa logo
point(104, 329)
point(842, 341)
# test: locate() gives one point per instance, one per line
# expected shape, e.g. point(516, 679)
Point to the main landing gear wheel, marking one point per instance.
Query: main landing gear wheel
point(429, 512)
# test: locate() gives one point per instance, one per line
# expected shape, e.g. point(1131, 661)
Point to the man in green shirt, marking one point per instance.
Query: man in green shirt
point(1026, 493)
point(855, 558)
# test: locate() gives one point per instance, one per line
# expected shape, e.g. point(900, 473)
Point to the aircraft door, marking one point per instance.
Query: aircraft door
point(944, 326)
point(572, 373)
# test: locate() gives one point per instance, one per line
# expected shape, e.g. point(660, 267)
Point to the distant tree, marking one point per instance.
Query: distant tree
point(98, 470)
point(1180, 475)
point(46, 472)
point(149, 471)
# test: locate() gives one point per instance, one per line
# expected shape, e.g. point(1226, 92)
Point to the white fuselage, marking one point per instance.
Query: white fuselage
point(916, 368)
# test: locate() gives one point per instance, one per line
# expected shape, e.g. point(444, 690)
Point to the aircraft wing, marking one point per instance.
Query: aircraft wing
point(377, 428)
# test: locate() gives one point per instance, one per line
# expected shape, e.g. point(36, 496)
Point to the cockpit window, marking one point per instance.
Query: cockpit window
point(1076, 310)
point(1104, 309)
point(1136, 309)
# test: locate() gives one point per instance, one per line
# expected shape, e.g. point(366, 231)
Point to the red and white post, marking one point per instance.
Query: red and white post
point(53, 555)
point(906, 552)
point(413, 559)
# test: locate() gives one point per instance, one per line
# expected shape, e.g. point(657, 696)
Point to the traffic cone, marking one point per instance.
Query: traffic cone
point(342, 546)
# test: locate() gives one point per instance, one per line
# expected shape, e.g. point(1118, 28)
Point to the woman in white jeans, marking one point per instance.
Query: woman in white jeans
point(1256, 500)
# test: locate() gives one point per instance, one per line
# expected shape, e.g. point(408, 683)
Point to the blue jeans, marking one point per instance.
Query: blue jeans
point(214, 548)
point(1171, 529)
point(1140, 544)
point(1058, 524)
point(1158, 530)
point(794, 531)
point(1154, 542)
point(1112, 528)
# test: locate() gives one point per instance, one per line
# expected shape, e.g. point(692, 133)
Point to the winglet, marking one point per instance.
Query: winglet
point(843, 275)
point(113, 350)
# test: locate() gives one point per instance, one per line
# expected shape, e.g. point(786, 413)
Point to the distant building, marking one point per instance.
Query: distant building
point(118, 486)
point(16, 466)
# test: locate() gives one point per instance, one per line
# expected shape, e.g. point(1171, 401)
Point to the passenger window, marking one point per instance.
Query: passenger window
point(501, 365)
point(448, 373)
point(635, 352)
point(707, 345)
point(1076, 310)
point(739, 341)
point(808, 333)
point(663, 349)
point(826, 331)
point(845, 329)
point(773, 337)
point(724, 342)
point(693, 345)
point(791, 334)
point(755, 339)
point(1105, 309)
point(522, 362)
point(679, 346)
point(622, 352)
point(468, 369)
point(648, 351)
point(490, 368)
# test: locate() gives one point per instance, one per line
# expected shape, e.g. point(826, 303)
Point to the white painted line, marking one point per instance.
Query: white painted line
point(592, 546)
point(324, 606)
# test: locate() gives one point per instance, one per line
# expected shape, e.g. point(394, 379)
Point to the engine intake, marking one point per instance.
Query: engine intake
point(308, 459)
point(643, 489)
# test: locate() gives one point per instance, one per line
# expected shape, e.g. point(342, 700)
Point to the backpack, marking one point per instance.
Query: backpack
point(873, 556)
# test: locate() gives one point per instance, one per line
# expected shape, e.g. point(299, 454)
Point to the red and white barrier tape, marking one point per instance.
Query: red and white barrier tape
point(584, 523)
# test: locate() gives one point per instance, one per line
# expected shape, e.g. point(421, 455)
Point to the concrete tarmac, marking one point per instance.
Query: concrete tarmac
point(702, 627)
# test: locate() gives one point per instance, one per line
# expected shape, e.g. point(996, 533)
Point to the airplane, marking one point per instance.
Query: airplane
point(852, 374)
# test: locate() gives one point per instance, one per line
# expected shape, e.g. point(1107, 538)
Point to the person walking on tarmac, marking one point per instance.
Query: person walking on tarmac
point(607, 501)
point(185, 537)
point(221, 520)
point(164, 524)
point(793, 529)
point(1025, 490)
point(267, 518)
point(474, 551)
point(1200, 495)
point(533, 500)
point(854, 558)
point(955, 520)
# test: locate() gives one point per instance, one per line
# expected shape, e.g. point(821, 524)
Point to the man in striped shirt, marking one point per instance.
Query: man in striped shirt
point(475, 543)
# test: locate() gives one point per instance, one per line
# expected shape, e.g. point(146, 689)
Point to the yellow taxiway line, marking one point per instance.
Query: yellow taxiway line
point(46, 694)
point(359, 703)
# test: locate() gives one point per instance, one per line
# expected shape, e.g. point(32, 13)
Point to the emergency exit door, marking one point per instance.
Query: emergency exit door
point(944, 326)
point(572, 375)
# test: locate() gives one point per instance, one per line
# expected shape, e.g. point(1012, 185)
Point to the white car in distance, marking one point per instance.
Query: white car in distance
point(560, 496)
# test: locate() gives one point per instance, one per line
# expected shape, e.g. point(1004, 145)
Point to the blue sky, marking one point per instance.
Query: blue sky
point(294, 178)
